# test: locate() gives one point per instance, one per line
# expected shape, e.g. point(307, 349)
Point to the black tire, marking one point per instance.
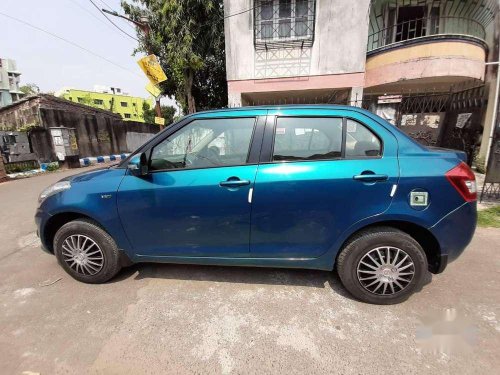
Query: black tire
point(110, 253)
point(364, 242)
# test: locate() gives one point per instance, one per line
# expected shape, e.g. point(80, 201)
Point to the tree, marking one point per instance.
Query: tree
point(30, 89)
point(167, 112)
point(188, 38)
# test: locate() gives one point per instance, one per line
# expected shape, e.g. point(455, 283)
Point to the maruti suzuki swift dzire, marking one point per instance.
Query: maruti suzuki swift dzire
point(317, 187)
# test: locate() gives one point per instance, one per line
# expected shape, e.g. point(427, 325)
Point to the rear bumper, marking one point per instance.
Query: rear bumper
point(454, 232)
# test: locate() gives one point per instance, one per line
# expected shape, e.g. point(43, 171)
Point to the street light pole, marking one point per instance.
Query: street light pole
point(144, 27)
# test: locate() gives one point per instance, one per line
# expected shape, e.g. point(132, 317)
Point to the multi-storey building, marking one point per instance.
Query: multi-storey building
point(9, 82)
point(130, 108)
point(410, 61)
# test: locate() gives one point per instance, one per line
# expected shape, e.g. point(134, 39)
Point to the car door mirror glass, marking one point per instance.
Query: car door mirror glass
point(138, 165)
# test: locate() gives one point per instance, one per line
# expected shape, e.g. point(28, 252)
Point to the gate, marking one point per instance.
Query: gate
point(451, 120)
point(462, 127)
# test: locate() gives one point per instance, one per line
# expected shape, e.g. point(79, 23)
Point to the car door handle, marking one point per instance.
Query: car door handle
point(234, 183)
point(370, 177)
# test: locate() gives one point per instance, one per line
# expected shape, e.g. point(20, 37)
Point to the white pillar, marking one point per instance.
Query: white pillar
point(356, 96)
point(234, 99)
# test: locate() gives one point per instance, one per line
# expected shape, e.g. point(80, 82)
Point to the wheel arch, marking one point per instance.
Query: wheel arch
point(428, 242)
point(55, 222)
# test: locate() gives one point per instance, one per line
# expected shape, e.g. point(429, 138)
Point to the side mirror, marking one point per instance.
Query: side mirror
point(138, 165)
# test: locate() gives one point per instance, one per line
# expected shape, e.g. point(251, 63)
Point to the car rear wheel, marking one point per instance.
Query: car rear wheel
point(86, 252)
point(382, 266)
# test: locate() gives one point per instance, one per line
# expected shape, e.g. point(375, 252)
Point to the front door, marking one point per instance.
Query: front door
point(322, 175)
point(194, 201)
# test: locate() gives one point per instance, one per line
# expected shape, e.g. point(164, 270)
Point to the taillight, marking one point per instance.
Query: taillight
point(462, 178)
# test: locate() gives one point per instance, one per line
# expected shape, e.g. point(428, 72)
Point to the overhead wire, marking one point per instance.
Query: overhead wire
point(68, 42)
point(89, 12)
point(112, 10)
point(114, 24)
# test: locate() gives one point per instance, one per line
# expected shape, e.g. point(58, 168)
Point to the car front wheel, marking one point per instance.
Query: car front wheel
point(382, 266)
point(86, 252)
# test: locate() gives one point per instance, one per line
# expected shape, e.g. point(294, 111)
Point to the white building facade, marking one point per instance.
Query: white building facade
point(293, 50)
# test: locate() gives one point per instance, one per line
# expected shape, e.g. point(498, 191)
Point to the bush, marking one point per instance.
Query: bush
point(20, 166)
point(52, 167)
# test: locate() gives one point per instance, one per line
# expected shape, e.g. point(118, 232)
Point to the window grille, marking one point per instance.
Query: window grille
point(284, 23)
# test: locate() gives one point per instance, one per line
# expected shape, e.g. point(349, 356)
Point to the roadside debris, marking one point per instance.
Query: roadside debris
point(49, 283)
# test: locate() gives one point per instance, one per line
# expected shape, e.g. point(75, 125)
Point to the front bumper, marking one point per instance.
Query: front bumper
point(454, 232)
point(41, 219)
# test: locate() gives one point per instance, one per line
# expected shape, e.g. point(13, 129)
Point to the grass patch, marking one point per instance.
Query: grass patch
point(489, 217)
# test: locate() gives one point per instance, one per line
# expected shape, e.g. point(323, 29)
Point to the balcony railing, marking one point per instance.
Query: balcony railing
point(425, 27)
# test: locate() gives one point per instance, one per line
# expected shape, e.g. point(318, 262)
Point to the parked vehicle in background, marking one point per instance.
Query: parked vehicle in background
point(318, 187)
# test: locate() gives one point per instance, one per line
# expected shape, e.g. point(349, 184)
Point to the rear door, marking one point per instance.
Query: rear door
point(321, 171)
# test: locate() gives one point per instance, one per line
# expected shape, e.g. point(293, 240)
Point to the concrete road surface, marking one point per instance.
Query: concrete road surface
point(173, 319)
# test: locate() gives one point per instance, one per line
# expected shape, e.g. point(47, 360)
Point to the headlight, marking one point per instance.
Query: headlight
point(53, 189)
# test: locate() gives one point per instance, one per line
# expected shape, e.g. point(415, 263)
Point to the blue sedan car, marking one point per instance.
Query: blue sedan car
point(317, 187)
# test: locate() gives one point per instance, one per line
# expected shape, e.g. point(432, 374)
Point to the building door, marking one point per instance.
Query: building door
point(411, 22)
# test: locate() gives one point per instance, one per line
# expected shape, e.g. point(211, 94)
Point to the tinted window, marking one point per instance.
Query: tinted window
point(205, 143)
point(360, 141)
point(311, 138)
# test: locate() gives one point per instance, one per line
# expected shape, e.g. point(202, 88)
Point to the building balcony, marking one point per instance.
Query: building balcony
point(425, 53)
point(423, 30)
point(427, 44)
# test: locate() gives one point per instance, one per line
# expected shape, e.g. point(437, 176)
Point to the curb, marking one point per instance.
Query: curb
point(85, 162)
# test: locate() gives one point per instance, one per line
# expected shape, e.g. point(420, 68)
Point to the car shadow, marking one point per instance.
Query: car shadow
point(230, 274)
point(242, 275)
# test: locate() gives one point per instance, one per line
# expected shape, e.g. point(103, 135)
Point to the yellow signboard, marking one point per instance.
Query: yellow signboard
point(151, 67)
point(153, 89)
point(159, 120)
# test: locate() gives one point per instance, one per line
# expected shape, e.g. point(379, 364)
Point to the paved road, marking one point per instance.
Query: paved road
point(192, 319)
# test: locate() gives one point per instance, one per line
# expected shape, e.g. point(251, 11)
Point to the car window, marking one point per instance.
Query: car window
point(307, 138)
point(205, 143)
point(360, 141)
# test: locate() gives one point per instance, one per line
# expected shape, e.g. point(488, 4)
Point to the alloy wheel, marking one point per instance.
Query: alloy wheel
point(82, 254)
point(385, 270)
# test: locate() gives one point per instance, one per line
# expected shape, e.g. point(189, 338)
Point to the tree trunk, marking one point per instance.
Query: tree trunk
point(188, 87)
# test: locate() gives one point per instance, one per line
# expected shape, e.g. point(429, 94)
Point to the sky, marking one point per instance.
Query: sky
point(53, 64)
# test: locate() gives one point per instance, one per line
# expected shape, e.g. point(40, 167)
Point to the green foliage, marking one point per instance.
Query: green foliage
point(87, 100)
point(52, 167)
point(20, 166)
point(167, 112)
point(27, 128)
point(188, 38)
point(480, 166)
point(30, 89)
point(489, 217)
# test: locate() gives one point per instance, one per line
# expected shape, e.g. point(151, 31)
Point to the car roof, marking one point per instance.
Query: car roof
point(286, 106)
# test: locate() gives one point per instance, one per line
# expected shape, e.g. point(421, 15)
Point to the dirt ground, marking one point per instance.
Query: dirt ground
point(179, 319)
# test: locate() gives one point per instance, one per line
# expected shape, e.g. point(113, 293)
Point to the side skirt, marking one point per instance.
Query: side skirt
point(306, 263)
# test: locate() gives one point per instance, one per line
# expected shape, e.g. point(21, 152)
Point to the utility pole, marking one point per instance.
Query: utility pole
point(495, 112)
point(143, 25)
